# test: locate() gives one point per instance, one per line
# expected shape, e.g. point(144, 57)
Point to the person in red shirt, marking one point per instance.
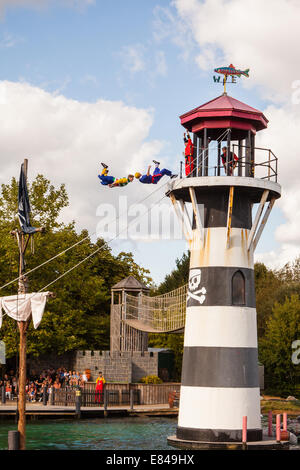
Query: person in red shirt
point(188, 154)
point(232, 161)
point(99, 388)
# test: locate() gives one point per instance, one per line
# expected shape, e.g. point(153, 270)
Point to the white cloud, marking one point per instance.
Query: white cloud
point(261, 35)
point(276, 260)
point(281, 137)
point(144, 59)
point(167, 26)
point(66, 140)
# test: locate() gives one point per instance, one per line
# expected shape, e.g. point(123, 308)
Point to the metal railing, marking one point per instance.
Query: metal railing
point(113, 394)
point(248, 165)
point(92, 398)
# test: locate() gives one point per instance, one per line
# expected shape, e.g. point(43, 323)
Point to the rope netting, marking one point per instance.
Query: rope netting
point(159, 314)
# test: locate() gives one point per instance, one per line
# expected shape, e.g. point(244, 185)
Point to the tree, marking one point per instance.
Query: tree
point(178, 277)
point(78, 316)
point(275, 349)
point(274, 286)
point(267, 285)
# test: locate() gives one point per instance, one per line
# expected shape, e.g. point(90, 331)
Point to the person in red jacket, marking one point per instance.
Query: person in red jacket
point(232, 161)
point(188, 154)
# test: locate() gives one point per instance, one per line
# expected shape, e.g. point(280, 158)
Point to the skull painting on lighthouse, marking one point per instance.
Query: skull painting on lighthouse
point(195, 279)
point(194, 286)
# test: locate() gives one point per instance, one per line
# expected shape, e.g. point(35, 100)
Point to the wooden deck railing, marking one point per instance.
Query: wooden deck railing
point(117, 394)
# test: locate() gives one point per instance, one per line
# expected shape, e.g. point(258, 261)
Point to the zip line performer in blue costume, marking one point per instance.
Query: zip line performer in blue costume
point(157, 174)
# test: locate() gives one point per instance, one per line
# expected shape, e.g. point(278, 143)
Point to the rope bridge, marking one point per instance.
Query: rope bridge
point(160, 314)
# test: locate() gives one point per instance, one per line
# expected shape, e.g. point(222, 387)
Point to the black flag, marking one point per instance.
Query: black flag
point(24, 205)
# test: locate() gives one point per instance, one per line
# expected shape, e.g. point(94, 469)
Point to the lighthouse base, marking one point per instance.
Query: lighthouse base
point(264, 444)
point(216, 435)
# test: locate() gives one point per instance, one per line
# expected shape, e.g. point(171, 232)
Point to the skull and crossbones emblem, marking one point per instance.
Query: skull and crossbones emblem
point(194, 283)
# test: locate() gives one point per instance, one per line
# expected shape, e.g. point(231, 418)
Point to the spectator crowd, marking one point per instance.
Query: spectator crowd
point(60, 378)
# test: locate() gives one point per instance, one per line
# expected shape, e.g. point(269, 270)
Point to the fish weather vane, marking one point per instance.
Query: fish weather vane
point(229, 71)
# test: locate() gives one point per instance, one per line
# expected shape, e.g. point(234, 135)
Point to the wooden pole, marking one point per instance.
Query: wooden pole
point(23, 327)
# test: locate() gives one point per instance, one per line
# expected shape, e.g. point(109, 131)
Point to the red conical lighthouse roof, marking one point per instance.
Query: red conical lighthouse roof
point(224, 112)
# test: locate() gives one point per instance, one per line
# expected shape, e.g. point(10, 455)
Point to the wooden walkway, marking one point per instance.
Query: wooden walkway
point(39, 411)
point(142, 326)
point(163, 313)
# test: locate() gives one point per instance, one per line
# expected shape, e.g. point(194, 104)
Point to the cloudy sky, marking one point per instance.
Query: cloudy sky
point(86, 81)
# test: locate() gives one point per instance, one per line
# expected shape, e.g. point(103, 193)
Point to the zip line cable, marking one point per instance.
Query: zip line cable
point(77, 243)
point(87, 257)
point(222, 135)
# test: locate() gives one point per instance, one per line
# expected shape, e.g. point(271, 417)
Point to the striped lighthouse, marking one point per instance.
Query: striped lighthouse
point(223, 207)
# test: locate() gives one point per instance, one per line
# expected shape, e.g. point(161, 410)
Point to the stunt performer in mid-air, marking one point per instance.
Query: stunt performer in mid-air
point(157, 174)
point(111, 181)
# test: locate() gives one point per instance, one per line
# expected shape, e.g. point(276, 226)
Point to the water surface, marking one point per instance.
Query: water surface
point(100, 434)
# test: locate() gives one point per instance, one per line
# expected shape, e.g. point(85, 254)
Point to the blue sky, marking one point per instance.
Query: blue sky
point(144, 58)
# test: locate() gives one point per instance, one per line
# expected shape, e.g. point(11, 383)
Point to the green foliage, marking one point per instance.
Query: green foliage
point(283, 327)
point(151, 379)
point(267, 286)
point(78, 316)
point(279, 406)
point(178, 277)
point(274, 286)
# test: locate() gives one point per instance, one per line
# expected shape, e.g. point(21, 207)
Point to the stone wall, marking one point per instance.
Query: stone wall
point(116, 366)
point(143, 365)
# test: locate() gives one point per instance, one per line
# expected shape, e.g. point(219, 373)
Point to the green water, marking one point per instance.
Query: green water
point(99, 434)
point(95, 434)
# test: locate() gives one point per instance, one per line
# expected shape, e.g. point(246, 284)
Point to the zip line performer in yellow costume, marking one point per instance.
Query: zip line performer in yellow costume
point(111, 181)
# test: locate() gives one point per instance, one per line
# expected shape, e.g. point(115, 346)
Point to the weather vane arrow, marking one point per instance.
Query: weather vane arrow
point(230, 71)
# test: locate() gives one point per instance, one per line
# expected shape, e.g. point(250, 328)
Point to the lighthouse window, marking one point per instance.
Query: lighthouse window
point(238, 288)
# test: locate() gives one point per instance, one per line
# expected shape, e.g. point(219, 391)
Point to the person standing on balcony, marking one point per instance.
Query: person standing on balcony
point(188, 154)
point(232, 161)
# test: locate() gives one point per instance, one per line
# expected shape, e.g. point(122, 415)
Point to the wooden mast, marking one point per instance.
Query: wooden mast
point(22, 240)
point(23, 327)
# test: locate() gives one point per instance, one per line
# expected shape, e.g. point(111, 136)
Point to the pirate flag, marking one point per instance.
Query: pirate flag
point(24, 205)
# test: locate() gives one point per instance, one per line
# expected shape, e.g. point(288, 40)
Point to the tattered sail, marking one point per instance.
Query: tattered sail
point(20, 307)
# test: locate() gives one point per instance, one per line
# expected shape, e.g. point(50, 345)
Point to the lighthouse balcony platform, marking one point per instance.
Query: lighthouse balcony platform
point(254, 187)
